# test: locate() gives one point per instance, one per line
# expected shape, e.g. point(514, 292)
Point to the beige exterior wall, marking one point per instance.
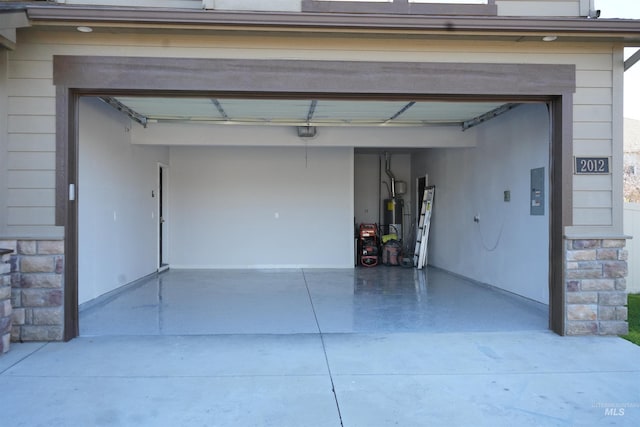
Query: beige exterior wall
point(30, 150)
point(505, 7)
point(4, 101)
point(31, 140)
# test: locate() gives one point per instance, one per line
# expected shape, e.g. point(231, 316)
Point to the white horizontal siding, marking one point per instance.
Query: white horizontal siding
point(584, 129)
point(31, 150)
point(34, 197)
point(538, 8)
point(593, 147)
point(592, 183)
point(592, 217)
point(593, 96)
point(593, 78)
point(32, 124)
point(593, 115)
point(603, 112)
point(31, 87)
point(30, 216)
point(35, 231)
point(32, 115)
point(32, 142)
point(3, 137)
point(41, 69)
point(30, 179)
point(30, 160)
point(29, 106)
point(592, 199)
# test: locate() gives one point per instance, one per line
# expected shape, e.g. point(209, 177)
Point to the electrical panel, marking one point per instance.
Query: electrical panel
point(537, 191)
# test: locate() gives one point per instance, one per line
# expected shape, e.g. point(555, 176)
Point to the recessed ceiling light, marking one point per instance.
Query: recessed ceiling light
point(549, 38)
point(84, 29)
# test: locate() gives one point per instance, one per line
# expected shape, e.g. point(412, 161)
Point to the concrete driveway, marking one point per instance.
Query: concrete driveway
point(515, 378)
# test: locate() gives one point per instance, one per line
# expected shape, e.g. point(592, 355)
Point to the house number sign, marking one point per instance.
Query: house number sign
point(592, 165)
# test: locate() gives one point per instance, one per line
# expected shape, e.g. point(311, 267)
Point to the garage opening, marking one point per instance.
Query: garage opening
point(255, 206)
point(330, 168)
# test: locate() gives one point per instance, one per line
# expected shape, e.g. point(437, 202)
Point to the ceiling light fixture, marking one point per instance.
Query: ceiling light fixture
point(307, 131)
point(549, 38)
point(84, 29)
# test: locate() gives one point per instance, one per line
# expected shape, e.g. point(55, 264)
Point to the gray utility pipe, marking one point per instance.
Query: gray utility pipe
point(392, 178)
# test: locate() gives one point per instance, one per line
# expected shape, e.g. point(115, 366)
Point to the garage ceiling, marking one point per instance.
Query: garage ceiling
point(300, 112)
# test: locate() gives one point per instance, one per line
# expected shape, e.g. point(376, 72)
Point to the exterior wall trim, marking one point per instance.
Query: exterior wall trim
point(561, 201)
point(302, 78)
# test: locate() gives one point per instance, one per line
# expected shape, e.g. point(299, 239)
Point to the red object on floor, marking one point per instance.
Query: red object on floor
point(368, 245)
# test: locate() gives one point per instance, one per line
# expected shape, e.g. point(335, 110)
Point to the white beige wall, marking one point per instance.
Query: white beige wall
point(118, 238)
point(598, 102)
point(260, 207)
point(367, 188)
point(286, 136)
point(508, 248)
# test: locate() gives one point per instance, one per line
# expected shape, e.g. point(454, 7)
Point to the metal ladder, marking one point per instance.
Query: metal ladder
point(422, 238)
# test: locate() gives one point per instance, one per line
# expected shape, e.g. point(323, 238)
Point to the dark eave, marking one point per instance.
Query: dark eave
point(10, 20)
point(624, 31)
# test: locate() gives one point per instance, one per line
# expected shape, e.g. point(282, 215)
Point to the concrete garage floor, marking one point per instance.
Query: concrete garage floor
point(380, 299)
point(400, 370)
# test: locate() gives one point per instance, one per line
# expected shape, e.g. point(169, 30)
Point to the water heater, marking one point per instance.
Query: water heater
point(393, 215)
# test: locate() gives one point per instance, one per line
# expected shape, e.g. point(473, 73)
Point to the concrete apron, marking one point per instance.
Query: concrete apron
point(402, 379)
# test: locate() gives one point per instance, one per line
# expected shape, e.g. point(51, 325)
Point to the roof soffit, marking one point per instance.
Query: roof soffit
point(10, 20)
point(139, 19)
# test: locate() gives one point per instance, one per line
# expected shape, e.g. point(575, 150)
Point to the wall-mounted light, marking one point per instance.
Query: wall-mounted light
point(549, 38)
point(84, 29)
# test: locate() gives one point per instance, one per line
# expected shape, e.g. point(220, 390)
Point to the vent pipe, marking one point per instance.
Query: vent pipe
point(392, 178)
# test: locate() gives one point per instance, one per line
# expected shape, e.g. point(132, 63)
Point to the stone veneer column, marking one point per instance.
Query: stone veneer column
point(595, 292)
point(37, 291)
point(5, 299)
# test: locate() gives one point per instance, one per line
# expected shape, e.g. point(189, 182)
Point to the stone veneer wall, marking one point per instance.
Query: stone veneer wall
point(37, 289)
point(596, 295)
point(5, 299)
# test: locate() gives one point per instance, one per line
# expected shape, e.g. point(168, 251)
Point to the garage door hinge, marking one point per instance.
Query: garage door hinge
point(72, 192)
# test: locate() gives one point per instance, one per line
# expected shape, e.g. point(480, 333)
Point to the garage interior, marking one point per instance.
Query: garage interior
point(255, 204)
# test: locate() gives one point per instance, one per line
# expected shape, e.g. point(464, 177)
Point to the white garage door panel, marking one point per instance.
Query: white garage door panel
point(254, 207)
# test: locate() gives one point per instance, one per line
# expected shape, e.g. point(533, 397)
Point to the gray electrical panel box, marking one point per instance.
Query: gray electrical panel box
point(537, 191)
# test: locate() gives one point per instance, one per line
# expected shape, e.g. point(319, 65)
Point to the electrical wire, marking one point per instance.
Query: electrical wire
point(482, 239)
